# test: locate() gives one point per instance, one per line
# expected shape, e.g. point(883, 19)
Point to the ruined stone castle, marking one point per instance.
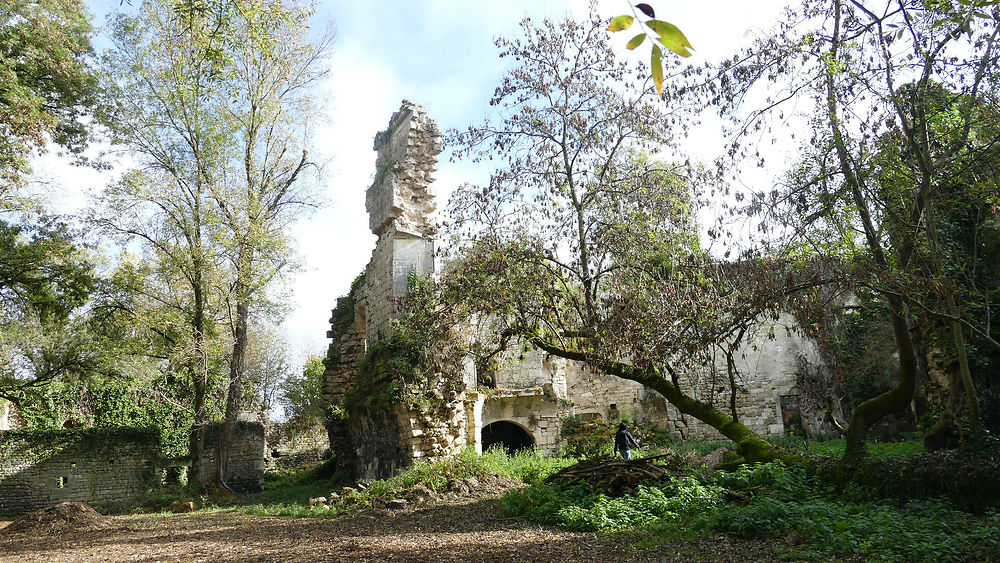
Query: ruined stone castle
point(534, 393)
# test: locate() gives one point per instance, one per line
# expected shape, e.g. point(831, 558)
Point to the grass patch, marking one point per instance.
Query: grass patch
point(835, 447)
point(288, 493)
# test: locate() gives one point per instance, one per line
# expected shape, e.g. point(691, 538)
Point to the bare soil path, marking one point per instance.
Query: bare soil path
point(464, 530)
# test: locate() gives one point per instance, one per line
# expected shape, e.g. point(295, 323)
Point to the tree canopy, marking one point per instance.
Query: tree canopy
point(48, 85)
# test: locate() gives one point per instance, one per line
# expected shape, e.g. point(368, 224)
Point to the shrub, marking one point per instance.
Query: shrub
point(580, 507)
point(587, 439)
point(970, 479)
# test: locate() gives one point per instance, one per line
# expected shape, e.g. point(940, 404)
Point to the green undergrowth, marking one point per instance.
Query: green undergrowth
point(769, 500)
point(835, 447)
point(289, 494)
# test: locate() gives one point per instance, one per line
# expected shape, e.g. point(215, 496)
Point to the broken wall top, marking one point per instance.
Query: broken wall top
point(401, 194)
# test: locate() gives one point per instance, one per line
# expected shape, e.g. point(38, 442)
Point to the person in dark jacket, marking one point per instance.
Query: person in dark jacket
point(624, 442)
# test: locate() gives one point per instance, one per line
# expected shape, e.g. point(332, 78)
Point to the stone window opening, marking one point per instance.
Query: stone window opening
point(61, 483)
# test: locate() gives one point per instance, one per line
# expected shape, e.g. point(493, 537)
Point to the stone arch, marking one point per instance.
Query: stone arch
point(507, 434)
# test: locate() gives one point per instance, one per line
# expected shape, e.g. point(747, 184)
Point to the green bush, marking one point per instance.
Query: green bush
point(918, 531)
point(580, 507)
point(587, 439)
point(970, 478)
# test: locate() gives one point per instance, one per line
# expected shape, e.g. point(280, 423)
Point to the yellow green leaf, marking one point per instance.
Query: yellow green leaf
point(656, 64)
point(621, 22)
point(636, 41)
point(671, 37)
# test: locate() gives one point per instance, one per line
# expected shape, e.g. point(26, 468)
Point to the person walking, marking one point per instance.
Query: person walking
point(624, 442)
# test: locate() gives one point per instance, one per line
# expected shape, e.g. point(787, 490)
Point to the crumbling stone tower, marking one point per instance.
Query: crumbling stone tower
point(400, 203)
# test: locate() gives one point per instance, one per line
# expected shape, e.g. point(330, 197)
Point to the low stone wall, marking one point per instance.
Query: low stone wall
point(95, 465)
point(296, 443)
point(246, 457)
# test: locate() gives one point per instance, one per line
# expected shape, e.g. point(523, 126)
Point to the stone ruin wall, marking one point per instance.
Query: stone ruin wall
point(246, 456)
point(767, 394)
point(295, 443)
point(534, 391)
point(43, 468)
point(388, 439)
point(399, 202)
point(537, 391)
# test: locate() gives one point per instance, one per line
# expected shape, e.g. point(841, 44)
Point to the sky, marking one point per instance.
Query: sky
point(438, 53)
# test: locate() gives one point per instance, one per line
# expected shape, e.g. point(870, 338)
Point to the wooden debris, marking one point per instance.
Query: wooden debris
point(617, 477)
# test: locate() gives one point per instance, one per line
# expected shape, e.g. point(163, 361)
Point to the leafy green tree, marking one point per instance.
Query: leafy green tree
point(46, 277)
point(267, 366)
point(163, 104)
point(271, 66)
point(47, 84)
point(301, 395)
point(216, 103)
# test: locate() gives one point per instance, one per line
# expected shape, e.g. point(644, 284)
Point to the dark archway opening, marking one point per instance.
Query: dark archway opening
point(507, 435)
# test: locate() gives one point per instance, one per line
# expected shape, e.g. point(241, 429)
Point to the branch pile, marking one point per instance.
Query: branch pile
point(617, 477)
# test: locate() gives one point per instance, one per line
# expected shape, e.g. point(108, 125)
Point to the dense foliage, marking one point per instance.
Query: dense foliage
point(777, 501)
point(48, 85)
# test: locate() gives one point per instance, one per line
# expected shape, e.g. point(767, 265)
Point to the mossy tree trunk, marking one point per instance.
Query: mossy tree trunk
point(897, 398)
point(748, 444)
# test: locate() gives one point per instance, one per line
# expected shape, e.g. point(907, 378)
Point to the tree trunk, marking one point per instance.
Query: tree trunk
point(958, 337)
point(748, 444)
point(199, 378)
point(897, 398)
point(234, 399)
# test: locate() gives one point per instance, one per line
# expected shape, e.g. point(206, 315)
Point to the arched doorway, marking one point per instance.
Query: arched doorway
point(508, 435)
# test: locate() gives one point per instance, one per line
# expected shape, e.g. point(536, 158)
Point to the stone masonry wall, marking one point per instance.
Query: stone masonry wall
point(401, 195)
point(591, 391)
point(399, 203)
point(537, 391)
point(767, 368)
point(439, 434)
point(378, 441)
point(347, 347)
point(538, 414)
point(295, 443)
point(44, 468)
point(246, 458)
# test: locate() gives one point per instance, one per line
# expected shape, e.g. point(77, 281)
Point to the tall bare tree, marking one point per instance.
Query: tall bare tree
point(584, 246)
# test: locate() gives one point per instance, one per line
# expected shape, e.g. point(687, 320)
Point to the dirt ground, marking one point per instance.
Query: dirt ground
point(462, 530)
